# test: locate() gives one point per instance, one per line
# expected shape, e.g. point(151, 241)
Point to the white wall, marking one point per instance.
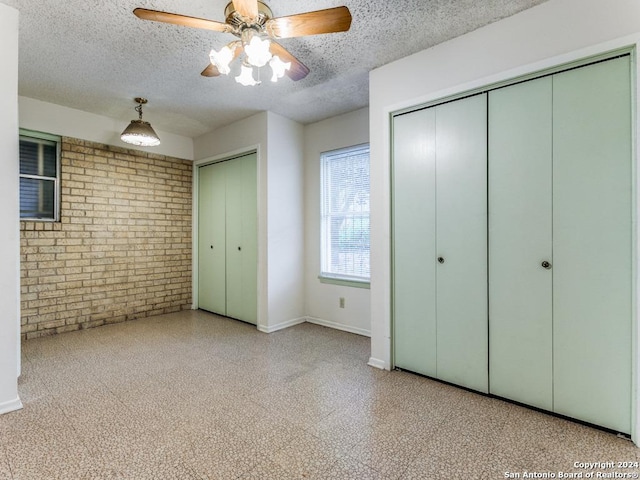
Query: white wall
point(321, 299)
point(9, 213)
point(58, 120)
point(553, 33)
point(285, 221)
point(278, 141)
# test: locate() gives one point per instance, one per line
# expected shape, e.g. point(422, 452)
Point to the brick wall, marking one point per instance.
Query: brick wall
point(122, 248)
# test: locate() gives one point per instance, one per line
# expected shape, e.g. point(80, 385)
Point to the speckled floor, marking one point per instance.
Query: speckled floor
point(194, 396)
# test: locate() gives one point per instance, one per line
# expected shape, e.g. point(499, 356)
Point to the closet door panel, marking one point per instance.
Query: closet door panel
point(249, 239)
point(520, 289)
point(461, 241)
point(592, 243)
point(414, 251)
point(211, 238)
point(234, 238)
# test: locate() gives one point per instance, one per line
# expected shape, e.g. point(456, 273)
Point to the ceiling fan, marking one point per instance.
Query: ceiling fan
point(252, 21)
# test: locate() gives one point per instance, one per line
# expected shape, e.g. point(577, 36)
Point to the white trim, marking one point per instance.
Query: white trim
point(629, 41)
point(239, 152)
point(377, 363)
point(635, 248)
point(281, 325)
point(10, 406)
point(194, 236)
point(339, 326)
point(316, 321)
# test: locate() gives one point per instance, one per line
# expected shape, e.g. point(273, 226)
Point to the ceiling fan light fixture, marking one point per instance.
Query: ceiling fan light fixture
point(253, 22)
point(278, 67)
point(139, 132)
point(246, 76)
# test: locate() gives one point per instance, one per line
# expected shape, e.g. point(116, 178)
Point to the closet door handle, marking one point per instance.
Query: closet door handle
point(440, 259)
point(239, 248)
point(546, 265)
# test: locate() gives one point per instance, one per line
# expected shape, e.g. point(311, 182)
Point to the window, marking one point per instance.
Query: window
point(345, 215)
point(39, 176)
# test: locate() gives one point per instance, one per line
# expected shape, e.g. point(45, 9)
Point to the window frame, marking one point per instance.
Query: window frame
point(37, 137)
point(326, 276)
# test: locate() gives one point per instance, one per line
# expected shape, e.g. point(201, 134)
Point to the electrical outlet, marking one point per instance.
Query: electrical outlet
point(341, 302)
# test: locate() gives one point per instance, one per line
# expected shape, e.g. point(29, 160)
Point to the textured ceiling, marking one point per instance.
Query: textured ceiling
point(97, 56)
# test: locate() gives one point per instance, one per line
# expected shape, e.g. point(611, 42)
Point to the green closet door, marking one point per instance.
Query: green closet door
point(241, 223)
point(461, 242)
point(250, 238)
point(414, 282)
point(211, 238)
point(520, 288)
point(592, 243)
point(234, 238)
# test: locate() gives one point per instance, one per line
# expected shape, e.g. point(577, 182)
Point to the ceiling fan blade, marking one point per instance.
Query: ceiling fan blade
point(246, 8)
point(298, 70)
point(210, 71)
point(331, 20)
point(183, 20)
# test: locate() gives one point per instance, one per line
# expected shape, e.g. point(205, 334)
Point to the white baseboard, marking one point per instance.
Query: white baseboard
point(10, 406)
point(377, 363)
point(281, 325)
point(339, 326)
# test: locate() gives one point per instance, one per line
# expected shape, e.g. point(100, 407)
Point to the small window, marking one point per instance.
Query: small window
point(345, 215)
point(39, 177)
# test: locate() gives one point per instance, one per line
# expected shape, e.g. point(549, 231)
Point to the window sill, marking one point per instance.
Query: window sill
point(32, 224)
point(344, 282)
point(49, 220)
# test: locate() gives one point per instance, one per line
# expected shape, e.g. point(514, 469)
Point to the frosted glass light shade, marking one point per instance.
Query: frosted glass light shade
point(246, 77)
point(278, 67)
point(222, 59)
point(257, 51)
point(141, 134)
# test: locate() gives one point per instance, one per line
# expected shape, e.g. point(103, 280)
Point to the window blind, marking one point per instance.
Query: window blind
point(38, 178)
point(345, 213)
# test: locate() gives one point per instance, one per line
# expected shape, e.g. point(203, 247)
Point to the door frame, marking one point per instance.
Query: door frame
point(261, 240)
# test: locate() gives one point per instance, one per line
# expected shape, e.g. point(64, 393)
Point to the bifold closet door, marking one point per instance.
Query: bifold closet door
point(414, 241)
point(592, 269)
point(520, 212)
point(212, 238)
point(440, 242)
point(242, 258)
point(461, 242)
point(228, 238)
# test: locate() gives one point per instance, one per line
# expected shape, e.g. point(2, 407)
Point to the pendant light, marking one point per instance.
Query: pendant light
point(140, 132)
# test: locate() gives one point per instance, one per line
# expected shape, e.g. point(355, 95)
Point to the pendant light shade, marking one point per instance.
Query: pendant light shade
point(139, 132)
